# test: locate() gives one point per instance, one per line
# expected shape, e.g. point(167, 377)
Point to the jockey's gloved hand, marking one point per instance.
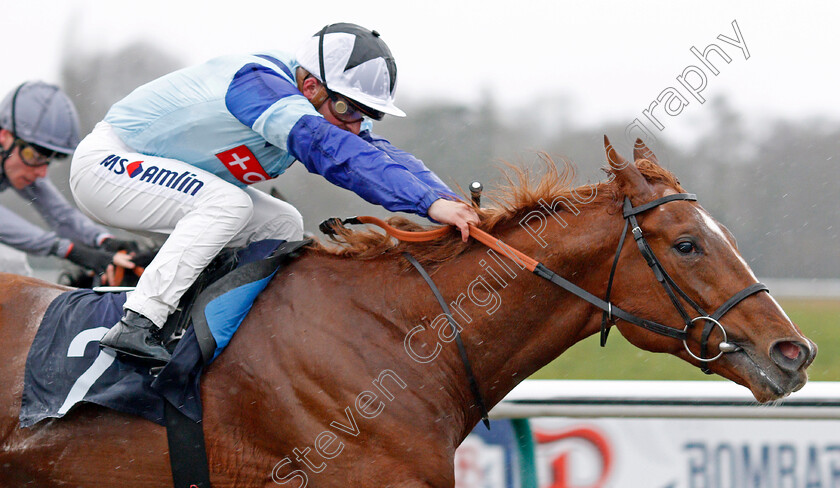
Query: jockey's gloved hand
point(112, 244)
point(90, 258)
point(143, 259)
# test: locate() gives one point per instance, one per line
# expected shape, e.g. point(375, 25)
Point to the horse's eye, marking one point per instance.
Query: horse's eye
point(685, 247)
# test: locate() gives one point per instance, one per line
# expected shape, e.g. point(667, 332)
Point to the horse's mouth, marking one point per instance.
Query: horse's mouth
point(766, 381)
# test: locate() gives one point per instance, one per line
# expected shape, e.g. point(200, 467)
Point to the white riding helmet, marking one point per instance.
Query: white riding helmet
point(353, 61)
point(41, 114)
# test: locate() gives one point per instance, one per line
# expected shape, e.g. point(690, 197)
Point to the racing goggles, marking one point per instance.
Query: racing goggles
point(348, 111)
point(32, 155)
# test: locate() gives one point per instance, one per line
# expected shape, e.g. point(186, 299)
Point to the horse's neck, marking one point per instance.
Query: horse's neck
point(534, 321)
point(513, 323)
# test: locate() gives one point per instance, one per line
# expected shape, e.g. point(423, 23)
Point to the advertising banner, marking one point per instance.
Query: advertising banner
point(489, 458)
point(677, 453)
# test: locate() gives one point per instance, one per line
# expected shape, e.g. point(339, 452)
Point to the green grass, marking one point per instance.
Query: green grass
point(619, 360)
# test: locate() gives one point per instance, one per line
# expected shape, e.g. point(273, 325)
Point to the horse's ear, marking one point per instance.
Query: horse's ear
point(627, 175)
point(641, 151)
point(615, 160)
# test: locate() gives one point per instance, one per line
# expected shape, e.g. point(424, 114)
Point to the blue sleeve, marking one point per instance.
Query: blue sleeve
point(267, 102)
point(410, 163)
point(352, 163)
point(253, 90)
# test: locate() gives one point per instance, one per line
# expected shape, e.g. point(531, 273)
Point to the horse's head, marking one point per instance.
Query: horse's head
point(756, 343)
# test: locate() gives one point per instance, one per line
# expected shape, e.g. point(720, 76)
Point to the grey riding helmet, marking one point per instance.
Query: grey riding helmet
point(41, 114)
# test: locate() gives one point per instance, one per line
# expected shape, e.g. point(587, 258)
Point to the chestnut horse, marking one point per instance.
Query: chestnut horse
point(344, 373)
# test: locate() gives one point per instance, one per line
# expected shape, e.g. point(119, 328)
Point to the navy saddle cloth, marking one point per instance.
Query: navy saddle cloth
point(65, 365)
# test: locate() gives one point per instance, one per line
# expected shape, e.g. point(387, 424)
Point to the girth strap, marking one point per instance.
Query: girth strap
point(187, 452)
point(485, 416)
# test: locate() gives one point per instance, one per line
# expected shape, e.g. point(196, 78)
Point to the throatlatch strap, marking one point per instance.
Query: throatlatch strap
point(485, 416)
point(606, 316)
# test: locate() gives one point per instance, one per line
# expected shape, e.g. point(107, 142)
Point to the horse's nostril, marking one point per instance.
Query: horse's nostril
point(789, 349)
point(792, 356)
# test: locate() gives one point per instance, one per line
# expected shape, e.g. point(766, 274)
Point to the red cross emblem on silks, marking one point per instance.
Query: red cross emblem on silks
point(243, 165)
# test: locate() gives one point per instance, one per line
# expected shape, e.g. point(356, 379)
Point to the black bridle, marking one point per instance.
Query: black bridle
point(673, 290)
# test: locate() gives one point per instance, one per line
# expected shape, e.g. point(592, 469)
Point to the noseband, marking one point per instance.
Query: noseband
point(670, 286)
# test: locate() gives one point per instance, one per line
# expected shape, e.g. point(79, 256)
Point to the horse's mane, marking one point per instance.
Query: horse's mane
point(520, 193)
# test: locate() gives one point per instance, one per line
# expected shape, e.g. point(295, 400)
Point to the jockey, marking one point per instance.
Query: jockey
point(38, 122)
point(176, 157)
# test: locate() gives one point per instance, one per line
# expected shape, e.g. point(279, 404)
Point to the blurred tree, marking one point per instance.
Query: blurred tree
point(96, 80)
point(726, 141)
point(793, 191)
point(460, 143)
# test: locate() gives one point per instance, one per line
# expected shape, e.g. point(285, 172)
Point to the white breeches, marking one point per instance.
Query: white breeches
point(201, 213)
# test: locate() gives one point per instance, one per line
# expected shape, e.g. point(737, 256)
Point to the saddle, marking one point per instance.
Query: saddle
point(177, 323)
point(270, 254)
point(66, 344)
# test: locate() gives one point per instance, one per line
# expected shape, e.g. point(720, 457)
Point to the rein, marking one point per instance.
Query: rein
point(610, 312)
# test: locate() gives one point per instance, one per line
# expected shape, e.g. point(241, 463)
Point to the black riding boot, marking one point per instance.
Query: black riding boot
point(136, 336)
